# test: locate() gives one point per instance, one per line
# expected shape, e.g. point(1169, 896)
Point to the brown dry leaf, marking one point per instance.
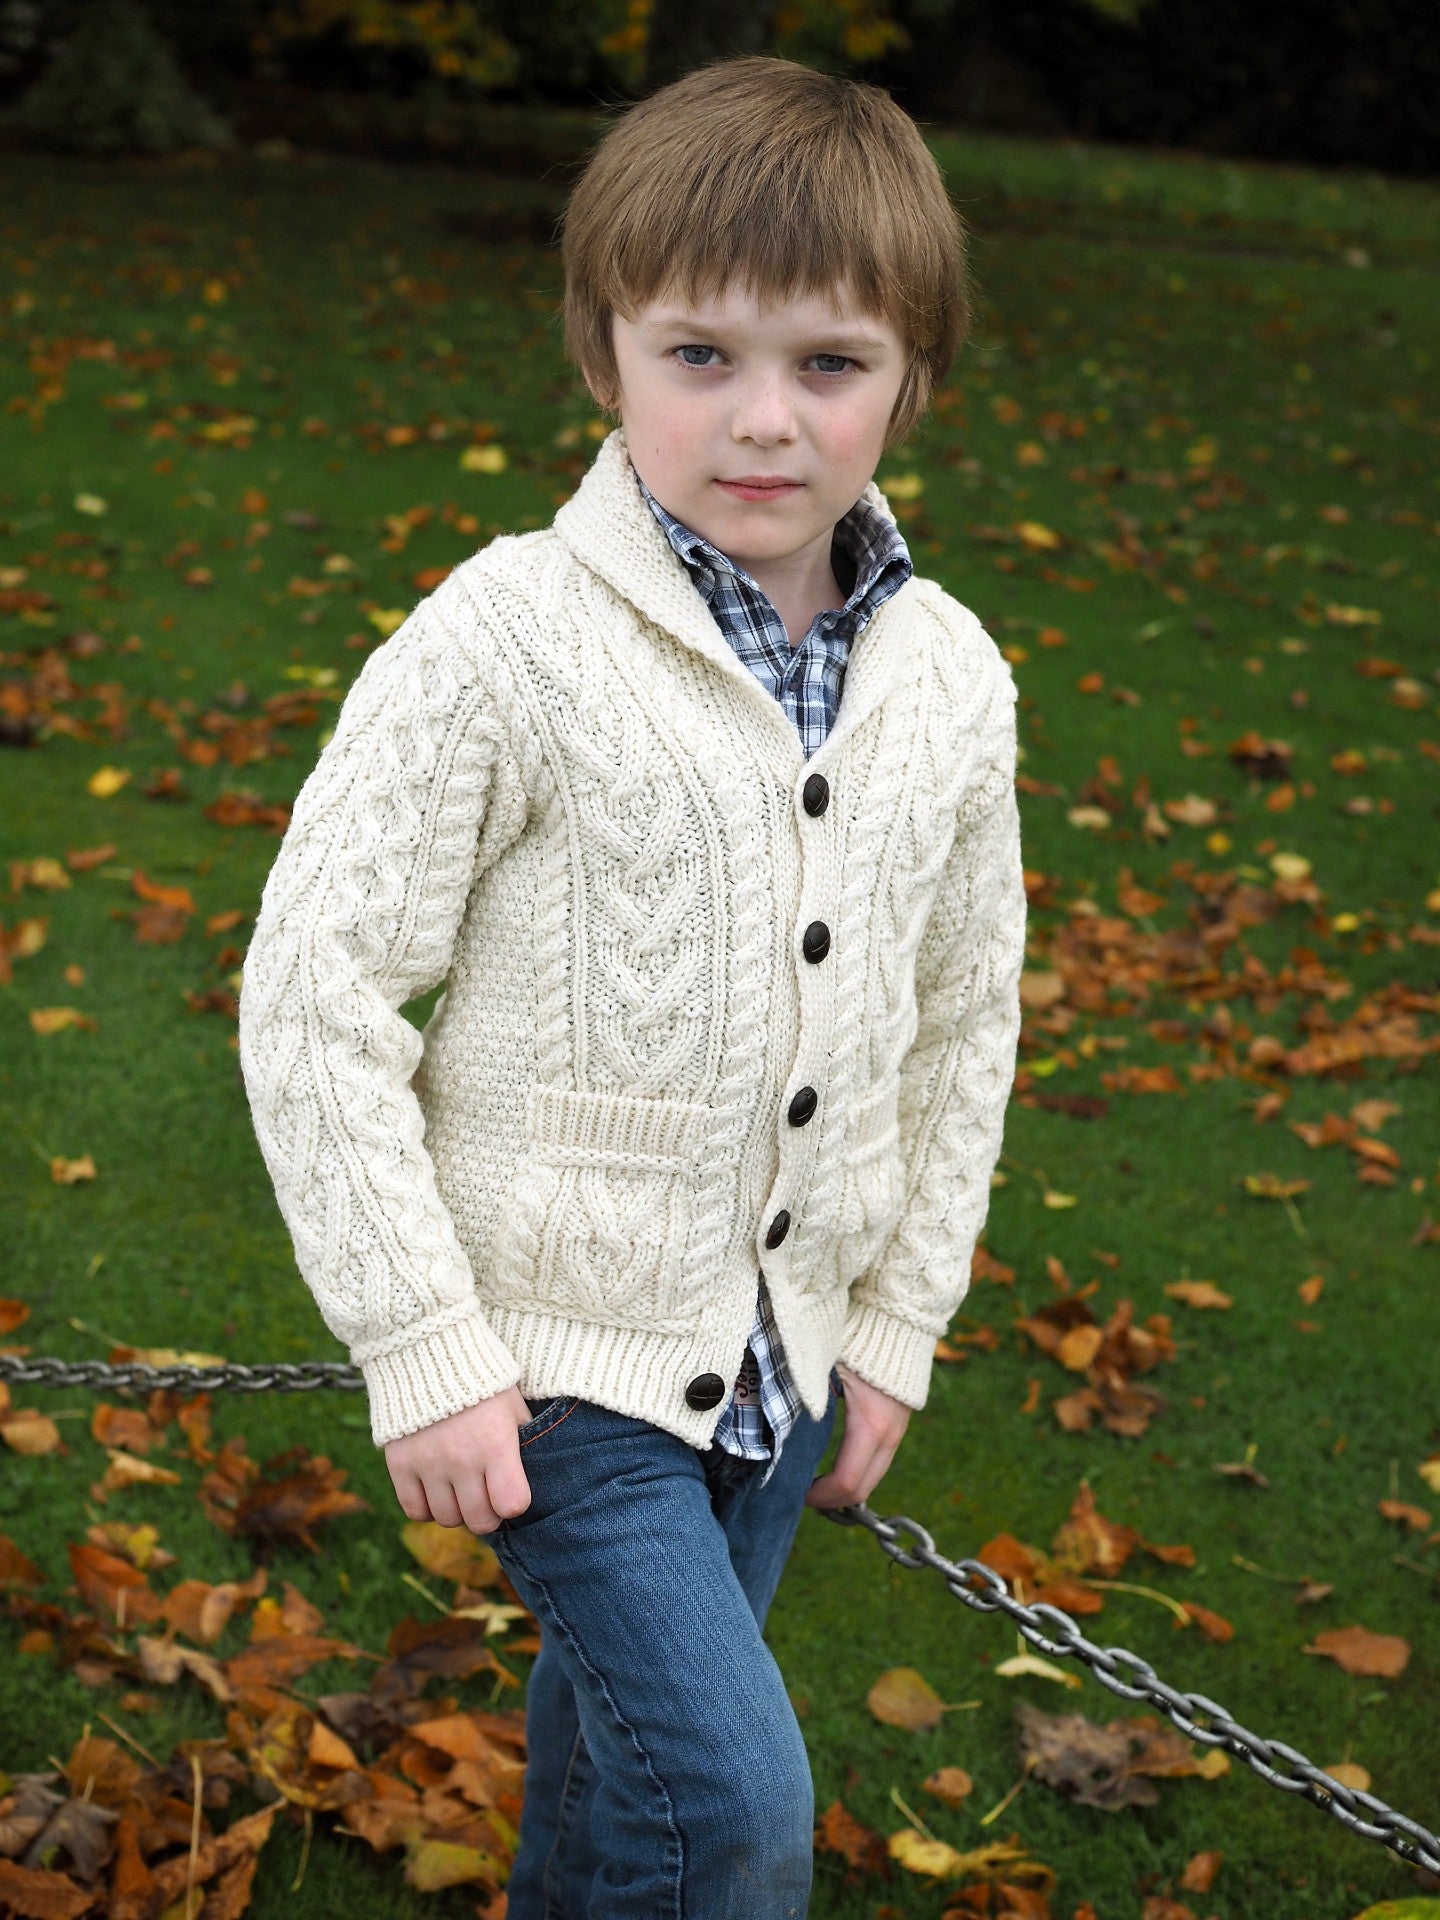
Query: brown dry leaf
point(1088, 1543)
point(140, 1545)
point(1310, 1593)
point(1010, 1558)
point(287, 1507)
point(277, 1661)
point(1310, 1290)
point(1356, 1650)
point(904, 1698)
point(1371, 1115)
point(83, 859)
point(1179, 1555)
point(1159, 1906)
point(199, 1611)
point(125, 1427)
point(1200, 1871)
point(1078, 1347)
point(1214, 1626)
point(15, 1569)
point(111, 1588)
point(163, 1662)
point(282, 1755)
point(838, 1831)
point(48, 1020)
point(125, 1470)
point(180, 898)
point(451, 1553)
point(13, 1314)
point(952, 1785)
point(216, 1856)
point(1109, 1766)
point(1349, 1774)
point(33, 1894)
point(421, 1649)
point(1415, 1518)
point(1199, 1293)
point(26, 1430)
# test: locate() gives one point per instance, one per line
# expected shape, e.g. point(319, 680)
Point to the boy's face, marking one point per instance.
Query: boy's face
point(721, 392)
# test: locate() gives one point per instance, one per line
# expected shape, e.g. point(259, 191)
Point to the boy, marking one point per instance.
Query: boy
point(706, 1118)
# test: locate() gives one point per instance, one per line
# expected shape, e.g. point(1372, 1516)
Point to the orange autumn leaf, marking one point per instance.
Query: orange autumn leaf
point(15, 1569)
point(111, 1587)
point(123, 1427)
point(838, 1831)
point(1415, 1518)
point(1200, 1872)
point(1200, 1294)
point(180, 898)
point(26, 1430)
point(1214, 1626)
point(13, 1314)
point(1356, 1650)
point(1088, 1543)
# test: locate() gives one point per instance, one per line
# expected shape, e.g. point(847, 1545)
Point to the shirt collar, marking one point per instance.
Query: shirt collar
point(868, 539)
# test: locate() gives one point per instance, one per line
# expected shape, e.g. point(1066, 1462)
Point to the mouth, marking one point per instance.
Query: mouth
point(760, 486)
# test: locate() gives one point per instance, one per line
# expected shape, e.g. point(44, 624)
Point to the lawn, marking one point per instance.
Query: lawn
point(1186, 472)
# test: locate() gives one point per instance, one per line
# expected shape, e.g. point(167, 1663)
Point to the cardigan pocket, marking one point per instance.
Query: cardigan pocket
point(596, 1220)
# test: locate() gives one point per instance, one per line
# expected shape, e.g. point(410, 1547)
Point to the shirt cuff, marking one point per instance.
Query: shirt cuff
point(447, 1369)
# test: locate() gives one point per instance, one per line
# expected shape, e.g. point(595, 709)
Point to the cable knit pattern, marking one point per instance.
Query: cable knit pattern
point(558, 791)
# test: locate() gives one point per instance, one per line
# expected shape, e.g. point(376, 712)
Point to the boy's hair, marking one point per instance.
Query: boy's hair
point(786, 181)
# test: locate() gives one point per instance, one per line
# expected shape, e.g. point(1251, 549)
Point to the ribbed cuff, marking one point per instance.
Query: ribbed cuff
point(446, 1370)
point(888, 1353)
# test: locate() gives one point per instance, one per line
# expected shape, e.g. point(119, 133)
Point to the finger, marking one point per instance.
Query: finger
point(507, 1487)
point(841, 1486)
point(410, 1492)
point(480, 1517)
point(444, 1506)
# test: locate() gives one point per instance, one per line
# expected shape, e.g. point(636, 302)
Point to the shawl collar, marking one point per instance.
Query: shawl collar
point(608, 526)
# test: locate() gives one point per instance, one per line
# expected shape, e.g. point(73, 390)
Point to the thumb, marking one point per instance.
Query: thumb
point(505, 1484)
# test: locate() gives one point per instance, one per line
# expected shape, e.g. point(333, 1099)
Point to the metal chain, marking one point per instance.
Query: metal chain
point(1053, 1632)
point(908, 1544)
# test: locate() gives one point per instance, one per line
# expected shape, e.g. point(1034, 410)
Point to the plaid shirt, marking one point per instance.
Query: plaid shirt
point(808, 681)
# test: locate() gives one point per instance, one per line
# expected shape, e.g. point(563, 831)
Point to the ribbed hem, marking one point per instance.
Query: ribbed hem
point(628, 1369)
point(443, 1372)
point(890, 1354)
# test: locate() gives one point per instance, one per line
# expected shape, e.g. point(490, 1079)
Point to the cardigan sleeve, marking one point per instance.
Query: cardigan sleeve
point(416, 790)
point(954, 1081)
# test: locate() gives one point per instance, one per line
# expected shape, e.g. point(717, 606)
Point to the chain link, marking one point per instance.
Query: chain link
point(909, 1545)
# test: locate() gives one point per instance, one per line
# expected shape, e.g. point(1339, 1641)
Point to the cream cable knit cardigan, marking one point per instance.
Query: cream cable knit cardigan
point(557, 790)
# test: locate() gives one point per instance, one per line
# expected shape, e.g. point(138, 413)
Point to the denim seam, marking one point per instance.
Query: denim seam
point(552, 1426)
point(568, 1799)
point(609, 1699)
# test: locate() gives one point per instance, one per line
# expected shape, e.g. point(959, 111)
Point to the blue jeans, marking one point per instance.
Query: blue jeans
point(666, 1778)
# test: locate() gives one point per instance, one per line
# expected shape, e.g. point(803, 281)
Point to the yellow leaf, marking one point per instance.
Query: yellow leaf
point(919, 1855)
point(1290, 867)
point(1022, 1663)
point(386, 620)
point(433, 1864)
point(91, 503)
point(1057, 1202)
point(1038, 537)
point(47, 1020)
point(126, 1470)
point(903, 486)
point(44, 873)
point(904, 1698)
point(490, 459)
point(1096, 819)
point(452, 1553)
point(1429, 1471)
point(105, 782)
point(66, 1173)
point(1212, 1764)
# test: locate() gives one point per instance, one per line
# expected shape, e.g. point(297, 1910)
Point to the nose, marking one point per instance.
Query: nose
point(763, 412)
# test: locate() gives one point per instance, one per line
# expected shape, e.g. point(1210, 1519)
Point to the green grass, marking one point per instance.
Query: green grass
point(360, 298)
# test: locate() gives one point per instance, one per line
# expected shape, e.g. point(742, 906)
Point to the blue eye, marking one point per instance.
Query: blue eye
point(840, 357)
point(694, 363)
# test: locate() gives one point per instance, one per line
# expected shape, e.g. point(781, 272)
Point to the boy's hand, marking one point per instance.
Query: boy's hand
point(464, 1470)
point(874, 1427)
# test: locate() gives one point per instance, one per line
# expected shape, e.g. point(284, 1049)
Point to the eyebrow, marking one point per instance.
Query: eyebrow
point(822, 342)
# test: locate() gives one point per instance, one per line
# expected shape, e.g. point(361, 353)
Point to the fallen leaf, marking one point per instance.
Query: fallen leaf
point(1198, 1293)
point(1021, 1665)
point(1349, 1774)
point(69, 1173)
point(952, 1785)
point(838, 1831)
point(1110, 1766)
point(1429, 1472)
point(1213, 1626)
point(26, 1430)
point(904, 1698)
point(106, 782)
point(15, 1569)
point(1088, 1543)
point(48, 1020)
point(1357, 1650)
point(1415, 1518)
point(34, 1894)
point(1200, 1872)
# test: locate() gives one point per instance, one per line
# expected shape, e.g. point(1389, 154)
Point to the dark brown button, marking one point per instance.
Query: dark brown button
point(815, 941)
point(779, 1227)
point(706, 1390)
point(815, 795)
point(802, 1107)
